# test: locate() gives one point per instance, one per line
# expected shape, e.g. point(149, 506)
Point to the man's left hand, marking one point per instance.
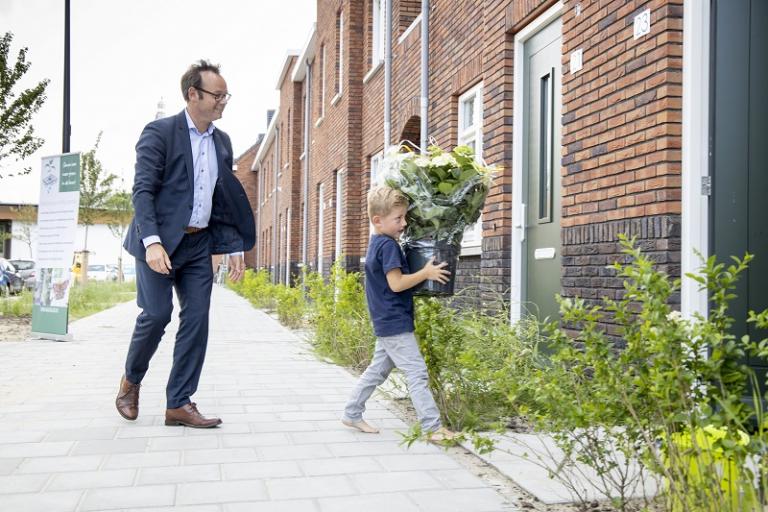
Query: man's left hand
point(236, 268)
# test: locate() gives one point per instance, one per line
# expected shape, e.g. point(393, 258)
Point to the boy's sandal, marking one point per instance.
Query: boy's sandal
point(361, 425)
point(441, 435)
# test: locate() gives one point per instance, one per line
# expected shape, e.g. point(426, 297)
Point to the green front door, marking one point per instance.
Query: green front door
point(739, 162)
point(541, 244)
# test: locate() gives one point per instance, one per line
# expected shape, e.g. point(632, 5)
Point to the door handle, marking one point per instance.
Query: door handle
point(521, 224)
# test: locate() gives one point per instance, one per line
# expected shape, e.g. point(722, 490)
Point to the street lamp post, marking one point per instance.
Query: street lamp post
point(66, 127)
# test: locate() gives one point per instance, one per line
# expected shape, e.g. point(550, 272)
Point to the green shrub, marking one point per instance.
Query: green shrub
point(473, 360)
point(16, 305)
point(339, 316)
point(673, 377)
point(257, 287)
point(291, 306)
point(96, 296)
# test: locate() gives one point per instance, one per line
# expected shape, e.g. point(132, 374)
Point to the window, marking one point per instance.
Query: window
point(377, 32)
point(471, 134)
point(339, 52)
point(339, 212)
point(288, 246)
point(375, 168)
point(320, 208)
point(545, 148)
point(321, 89)
point(376, 161)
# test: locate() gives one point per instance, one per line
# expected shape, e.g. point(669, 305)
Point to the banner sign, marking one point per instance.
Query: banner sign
point(56, 234)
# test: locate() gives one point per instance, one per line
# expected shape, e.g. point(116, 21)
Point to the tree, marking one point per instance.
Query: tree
point(17, 140)
point(95, 189)
point(26, 215)
point(120, 210)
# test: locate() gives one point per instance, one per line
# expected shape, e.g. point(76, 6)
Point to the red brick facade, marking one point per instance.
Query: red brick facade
point(249, 181)
point(621, 130)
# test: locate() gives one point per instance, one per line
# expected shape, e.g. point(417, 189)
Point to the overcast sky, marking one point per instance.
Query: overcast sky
point(126, 55)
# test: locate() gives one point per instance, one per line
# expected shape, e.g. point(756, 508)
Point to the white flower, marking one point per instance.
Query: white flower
point(674, 316)
point(444, 160)
point(422, 161)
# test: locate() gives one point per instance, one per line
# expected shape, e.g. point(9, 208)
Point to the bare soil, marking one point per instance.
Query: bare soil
point(15, 328)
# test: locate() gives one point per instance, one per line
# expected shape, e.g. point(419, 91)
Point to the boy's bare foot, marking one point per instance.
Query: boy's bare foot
point(441, 435)
point(361, 425)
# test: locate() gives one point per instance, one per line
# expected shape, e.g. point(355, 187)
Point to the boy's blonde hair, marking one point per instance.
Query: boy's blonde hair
point(382, 199)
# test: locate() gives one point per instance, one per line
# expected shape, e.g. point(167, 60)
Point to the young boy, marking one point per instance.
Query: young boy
point(390, 302)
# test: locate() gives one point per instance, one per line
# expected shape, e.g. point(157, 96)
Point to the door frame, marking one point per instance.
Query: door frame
point(518, 226)
point(695, 222)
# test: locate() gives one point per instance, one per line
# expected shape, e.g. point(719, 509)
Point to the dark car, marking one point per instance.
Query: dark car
point(26, 269)
point(13, 280)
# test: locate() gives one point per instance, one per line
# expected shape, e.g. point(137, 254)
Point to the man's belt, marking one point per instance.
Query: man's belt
point(190, 230)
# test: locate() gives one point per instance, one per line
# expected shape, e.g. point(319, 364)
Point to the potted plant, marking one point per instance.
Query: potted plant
point(447, 191)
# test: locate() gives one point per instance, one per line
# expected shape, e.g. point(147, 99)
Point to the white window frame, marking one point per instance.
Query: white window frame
point(322, 86)
point(339, 200)
point(320, 222)
point(288, 247)
point(375, 166)
point(377, 32)
point(341, 53)
point(472, 241)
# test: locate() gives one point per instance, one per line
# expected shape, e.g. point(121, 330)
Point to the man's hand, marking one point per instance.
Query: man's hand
point(236, 268)
point(158, 259)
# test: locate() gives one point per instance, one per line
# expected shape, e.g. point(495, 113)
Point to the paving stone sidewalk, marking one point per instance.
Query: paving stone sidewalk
point(281, 447)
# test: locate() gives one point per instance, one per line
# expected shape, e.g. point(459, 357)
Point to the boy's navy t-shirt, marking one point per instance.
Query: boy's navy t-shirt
point(392, 313)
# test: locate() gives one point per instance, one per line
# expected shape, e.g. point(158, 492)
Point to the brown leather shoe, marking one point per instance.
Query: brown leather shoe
point(189, 416)
point(127, 400)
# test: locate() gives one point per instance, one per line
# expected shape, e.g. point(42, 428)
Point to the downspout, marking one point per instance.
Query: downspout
point(388, 75)
point(275, 228)
point(424, 75)
point(305, 208)
point(259, 191)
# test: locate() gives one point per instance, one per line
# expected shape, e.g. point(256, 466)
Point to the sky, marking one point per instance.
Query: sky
point(127, 55)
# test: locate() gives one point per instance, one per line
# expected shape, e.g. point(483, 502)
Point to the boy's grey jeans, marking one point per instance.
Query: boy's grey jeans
point(401, 351)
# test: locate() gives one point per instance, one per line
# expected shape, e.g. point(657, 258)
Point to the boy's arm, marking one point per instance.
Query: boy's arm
point(399, 282)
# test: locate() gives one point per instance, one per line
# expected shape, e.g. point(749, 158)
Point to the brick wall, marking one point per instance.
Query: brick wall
point(249, 180)
point(621, 128)
point(622, 125)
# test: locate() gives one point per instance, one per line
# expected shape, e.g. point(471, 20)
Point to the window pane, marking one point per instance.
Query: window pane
point(468, 113)
point(545, 160)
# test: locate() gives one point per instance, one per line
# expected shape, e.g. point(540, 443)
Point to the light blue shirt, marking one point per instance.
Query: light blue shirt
point(206, 172)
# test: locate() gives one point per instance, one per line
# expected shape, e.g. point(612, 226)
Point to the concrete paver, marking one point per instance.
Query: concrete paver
point(281, 447)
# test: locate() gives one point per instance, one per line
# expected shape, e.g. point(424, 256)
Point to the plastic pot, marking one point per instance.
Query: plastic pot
point(419, 252)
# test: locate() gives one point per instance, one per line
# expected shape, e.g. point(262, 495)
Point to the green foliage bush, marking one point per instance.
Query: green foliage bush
point(257, 287)
point(672, 379)
point(291, 306)
point(339, 317)
point(475, 361)
point(16, 306)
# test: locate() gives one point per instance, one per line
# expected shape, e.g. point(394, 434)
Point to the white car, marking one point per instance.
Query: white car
point(98, 272)
point(129, 273)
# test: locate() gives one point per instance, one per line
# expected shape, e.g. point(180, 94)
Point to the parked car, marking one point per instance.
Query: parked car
point(98, 272)
point(129, 273)
point(27, 270)
point(14, 283)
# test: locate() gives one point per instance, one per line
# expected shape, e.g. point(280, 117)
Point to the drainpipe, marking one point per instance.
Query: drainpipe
point(424, 75)
point(276, 227)
point(305, 209)
point(259, 191)
point(388, 76)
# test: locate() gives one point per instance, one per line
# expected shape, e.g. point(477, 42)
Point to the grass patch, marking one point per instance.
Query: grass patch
point(83, 300)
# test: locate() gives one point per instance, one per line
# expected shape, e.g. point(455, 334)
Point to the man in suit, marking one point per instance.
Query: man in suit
point(188, 206)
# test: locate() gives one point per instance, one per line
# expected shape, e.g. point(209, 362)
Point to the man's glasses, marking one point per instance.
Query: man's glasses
point(217, 97)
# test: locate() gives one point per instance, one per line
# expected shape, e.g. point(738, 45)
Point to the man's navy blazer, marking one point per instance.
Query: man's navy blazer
point(163, 192)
